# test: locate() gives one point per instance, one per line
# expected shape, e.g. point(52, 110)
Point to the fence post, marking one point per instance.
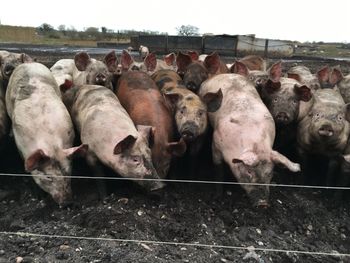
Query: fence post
point(266, 48)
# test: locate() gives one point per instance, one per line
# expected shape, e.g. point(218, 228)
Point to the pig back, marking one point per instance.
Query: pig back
point(36, 109)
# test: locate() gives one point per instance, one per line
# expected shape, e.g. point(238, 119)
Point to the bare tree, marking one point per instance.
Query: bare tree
point(187, 30)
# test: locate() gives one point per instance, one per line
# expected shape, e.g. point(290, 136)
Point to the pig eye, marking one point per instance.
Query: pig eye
point(317, 115)
point(340, 118)
point(295, 101)
point(275, 100)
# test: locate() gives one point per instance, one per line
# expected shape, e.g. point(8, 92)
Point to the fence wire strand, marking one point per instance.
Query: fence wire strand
point(180, 181)
point(249, 248)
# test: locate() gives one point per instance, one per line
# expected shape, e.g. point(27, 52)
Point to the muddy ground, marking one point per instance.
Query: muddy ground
point(297, 220)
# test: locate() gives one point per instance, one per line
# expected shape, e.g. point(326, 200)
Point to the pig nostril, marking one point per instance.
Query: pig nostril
point(191, 86)
point(326, 130)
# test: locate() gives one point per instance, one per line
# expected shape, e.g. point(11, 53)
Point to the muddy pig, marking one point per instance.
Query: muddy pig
point(8, 62)
point(142, 99)
point(92, 71)
point(343, 83)
point(42, 128)
point(194, 72)
point(111, 135)
point(244, 132)
point(254, 62)
point(324, 130)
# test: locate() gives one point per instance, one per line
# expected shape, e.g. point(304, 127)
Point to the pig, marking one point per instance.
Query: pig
point(42, 129)
point(8, 62)
point(324, 130)
point(91, 71)
point(254, 62)
point(190, 112)
point(4, 121)
point(150, 63)
point(62, 71)
point(144, 51)
point(195, 72)
point(111, 135)
point(244, 132)
point(85, 70)
point(141, 98)
point(305, 77)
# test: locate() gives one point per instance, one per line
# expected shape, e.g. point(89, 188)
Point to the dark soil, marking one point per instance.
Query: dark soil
point(297, 220)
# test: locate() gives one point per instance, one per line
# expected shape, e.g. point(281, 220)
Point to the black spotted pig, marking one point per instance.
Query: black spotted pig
point(244, 132)
point(8, 62)
point(42, 128)
point(189, 110)
point(195, 72)
point(111, 135)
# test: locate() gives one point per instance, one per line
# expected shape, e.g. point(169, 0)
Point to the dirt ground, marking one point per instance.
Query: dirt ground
point(186, 213)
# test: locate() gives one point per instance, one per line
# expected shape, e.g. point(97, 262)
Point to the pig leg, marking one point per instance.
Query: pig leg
point(97, 170)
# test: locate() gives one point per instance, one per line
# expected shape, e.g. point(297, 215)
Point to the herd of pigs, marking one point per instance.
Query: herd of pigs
point(134, 117)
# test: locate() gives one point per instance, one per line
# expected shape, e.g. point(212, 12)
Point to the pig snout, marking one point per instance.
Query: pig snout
point(63, 199)
point(259, 197)
point(192, 86)
point(326, 130)
point(8, 69)
point(282, 118)
point(189, 131)
point(151, 173)
point(100, 79)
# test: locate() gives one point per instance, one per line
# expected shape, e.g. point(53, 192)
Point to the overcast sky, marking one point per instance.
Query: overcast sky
point(301, 20)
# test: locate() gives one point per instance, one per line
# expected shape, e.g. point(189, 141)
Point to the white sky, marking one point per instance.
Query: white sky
point(301, 20)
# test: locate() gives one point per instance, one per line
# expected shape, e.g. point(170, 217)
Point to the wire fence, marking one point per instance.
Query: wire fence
point(168, 243)
point(180, 181)
point(183, 244)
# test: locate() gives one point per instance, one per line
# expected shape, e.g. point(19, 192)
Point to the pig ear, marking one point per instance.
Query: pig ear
point(213, 100)
point(336, 76)
point(177, 148)
point(275, 72)
point(239, 68)
point(272, 86)
point(169, 59)
point(80, 150)
point(294, 76)
point(172, 97)
point(193, 54)
point(278, 158)
point(303, 92)
point(150, 62)
point(126, 60)
point(25, 58)
point(182, 62)
point(111, 61)
point(124, 144)
point(148, 132)
point(323, 74)
point(82, 60)
point(35, 160)
point(212, 62)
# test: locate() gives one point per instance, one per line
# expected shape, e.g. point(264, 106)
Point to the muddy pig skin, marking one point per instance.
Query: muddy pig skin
point(141, 98)
point(42, 128)
point(343, 83)
point(254, 62)
point(8, 62)
point(106, 127)
point(244, 132)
